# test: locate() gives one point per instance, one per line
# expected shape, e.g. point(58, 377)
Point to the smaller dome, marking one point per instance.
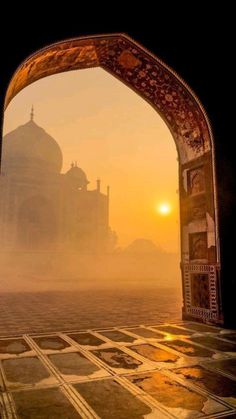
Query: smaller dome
point(77, 177)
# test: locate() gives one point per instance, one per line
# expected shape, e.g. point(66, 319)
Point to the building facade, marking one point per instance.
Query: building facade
point(42, 208)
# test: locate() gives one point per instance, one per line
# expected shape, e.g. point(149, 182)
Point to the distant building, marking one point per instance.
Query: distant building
point(41, 208)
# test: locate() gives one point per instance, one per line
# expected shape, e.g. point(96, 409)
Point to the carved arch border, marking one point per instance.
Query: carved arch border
point(187, 120)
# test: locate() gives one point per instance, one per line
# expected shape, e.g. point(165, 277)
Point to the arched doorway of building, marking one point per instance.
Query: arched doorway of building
point(36, 224)
point(181, 110)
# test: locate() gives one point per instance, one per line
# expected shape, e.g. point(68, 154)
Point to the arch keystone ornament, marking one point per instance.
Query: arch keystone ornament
point(170, 96)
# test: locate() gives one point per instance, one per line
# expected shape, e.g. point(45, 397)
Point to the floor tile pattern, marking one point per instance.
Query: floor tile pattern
point(176, 370)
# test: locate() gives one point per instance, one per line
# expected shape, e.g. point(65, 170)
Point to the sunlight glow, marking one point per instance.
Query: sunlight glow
point(164, 208)
point(168, 337)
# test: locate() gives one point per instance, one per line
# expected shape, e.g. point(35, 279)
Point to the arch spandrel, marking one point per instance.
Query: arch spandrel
point(159, 85)
point(141, 71)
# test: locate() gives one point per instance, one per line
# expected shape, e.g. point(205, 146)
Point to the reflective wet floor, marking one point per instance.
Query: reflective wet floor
point(178, 370)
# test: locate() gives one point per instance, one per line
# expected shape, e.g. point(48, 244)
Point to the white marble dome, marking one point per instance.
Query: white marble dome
point(29, 146)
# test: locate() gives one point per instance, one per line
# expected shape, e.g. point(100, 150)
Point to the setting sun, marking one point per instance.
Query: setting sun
point(164, 208)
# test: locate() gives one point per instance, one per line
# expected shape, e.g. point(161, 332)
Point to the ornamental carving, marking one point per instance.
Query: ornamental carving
point(139, 70)
point(198, 246)
point(200, 291)
point(196, 181)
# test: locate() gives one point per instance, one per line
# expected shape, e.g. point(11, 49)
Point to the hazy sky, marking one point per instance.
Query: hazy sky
point(116, 136)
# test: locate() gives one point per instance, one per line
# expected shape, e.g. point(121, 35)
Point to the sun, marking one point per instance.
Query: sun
point(164, 208)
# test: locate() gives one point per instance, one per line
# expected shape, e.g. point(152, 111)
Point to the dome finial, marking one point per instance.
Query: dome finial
point(32, 113)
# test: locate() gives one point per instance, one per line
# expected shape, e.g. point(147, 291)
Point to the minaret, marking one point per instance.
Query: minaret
point(32, 113)
point(98, 185)
point(108, 204)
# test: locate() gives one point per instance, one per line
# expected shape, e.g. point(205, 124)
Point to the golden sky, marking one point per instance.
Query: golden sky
point(116, 136)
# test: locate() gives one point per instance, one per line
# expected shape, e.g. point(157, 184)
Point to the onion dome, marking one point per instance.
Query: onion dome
point(31, 147)
point(77, 177)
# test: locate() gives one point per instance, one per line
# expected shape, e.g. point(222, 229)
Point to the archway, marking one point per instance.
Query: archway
point(176, 103)
point(36, 223)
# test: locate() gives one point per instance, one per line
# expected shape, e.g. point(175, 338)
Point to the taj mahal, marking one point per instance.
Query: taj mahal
point(42, 208)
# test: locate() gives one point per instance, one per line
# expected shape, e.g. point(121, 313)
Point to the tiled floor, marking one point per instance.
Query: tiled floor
point(29, 312)
point(180, 370)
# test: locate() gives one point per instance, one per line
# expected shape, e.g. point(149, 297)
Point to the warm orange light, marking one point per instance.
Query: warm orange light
point(168, 337)
point(164, 208)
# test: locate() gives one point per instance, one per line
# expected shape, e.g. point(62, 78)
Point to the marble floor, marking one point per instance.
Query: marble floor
point(52, 310)
point(179, 370)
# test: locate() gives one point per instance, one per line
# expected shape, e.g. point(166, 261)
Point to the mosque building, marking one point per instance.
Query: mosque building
point(42, 208)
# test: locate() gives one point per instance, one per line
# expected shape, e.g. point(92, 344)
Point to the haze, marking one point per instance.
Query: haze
point(116, 136)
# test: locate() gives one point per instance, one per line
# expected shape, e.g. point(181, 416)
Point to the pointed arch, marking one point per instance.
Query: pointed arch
point(186, 118)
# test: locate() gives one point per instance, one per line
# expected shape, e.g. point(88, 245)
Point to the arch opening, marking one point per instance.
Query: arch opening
point(188, 123)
